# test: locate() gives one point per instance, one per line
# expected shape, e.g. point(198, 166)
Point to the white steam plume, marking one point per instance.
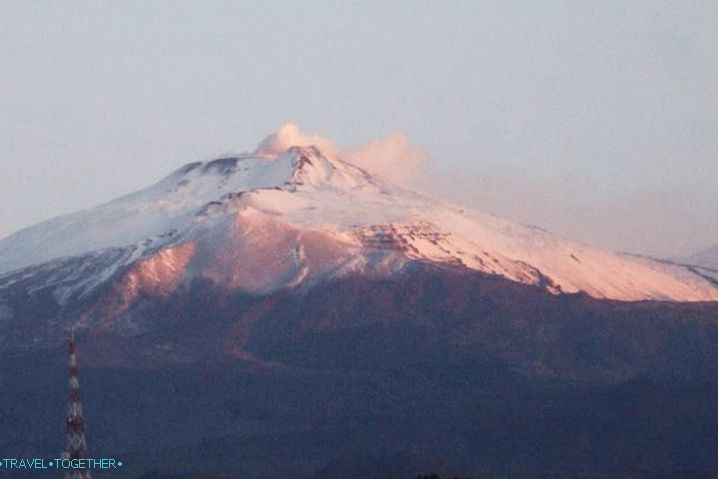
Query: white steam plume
point(393, 158)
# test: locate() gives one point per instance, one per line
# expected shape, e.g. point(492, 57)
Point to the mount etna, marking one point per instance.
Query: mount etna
point(292, 313)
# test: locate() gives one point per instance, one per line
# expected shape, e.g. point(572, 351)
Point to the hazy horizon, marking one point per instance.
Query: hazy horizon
point(597, 122)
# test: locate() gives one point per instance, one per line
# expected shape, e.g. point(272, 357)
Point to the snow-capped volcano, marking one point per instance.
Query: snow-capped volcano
point(291, 215)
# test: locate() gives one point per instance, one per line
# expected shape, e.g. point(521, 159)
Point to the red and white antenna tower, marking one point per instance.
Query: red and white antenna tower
point(76, 446)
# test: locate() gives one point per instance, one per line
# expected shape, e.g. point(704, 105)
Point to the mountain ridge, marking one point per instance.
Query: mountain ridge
point(305, 215)
point(281, 310)
point(707, 258)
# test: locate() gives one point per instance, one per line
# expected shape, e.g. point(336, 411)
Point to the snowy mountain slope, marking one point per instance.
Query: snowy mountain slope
point(274, 219)
point(139, 217)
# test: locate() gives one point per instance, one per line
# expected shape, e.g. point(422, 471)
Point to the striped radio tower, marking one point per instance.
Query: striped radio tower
point(76, 446)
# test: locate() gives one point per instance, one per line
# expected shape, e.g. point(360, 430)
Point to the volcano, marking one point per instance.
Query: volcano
point(271, 220)
point(326, 316)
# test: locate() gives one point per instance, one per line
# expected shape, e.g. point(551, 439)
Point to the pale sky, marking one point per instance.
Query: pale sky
point(595, 120)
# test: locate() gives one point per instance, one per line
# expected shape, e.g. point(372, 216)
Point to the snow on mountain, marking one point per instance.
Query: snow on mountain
point(289, 216)
point(138, 218)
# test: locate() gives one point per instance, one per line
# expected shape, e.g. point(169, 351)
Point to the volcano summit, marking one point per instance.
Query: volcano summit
point(294, 215)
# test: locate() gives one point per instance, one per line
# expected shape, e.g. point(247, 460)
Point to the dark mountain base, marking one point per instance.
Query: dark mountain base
point(435, 371)
point(474, 420)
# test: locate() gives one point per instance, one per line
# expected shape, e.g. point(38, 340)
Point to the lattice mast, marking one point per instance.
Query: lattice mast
point(76, 445)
